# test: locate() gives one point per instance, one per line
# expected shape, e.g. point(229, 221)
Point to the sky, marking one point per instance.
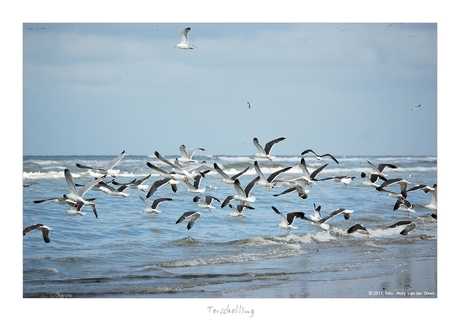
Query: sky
point(339, 88)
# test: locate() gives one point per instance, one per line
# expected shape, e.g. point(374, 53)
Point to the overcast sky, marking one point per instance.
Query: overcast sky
point(339, 88)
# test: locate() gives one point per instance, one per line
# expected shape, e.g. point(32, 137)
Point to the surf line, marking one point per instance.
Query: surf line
point(238, 309)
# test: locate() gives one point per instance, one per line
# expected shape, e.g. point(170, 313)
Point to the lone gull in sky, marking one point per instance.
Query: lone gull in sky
point(184, 43)
point(45, 231)
point(265, 152)
point(192, 216)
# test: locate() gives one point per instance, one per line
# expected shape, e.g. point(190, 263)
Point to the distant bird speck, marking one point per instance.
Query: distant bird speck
point(343, 29)
point(249, 105)
point(36, 28)
point(416, 107)
point(305, 40)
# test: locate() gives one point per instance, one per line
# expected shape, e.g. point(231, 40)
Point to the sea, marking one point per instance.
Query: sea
point(125, 252)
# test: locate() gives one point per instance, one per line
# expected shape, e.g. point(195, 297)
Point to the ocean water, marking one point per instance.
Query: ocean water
point(127, 253)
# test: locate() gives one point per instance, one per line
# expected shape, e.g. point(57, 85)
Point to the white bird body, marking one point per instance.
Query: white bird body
point(225, 177)
point(108, 169)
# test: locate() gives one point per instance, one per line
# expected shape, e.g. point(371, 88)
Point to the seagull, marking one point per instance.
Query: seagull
point(369, 181)
point(184, 43)
point(108, 169)
point(346, 180)
point(227, 179)
point(416, 107)
point(45, 231)
point(359, 228)
point(402, 183)
point(404, 206)
point(305, 40)
point(159, 183)
point(75, 195)
point(249, 105)
point(317, 214)
point(36, 28)
point(192, 216)
point(243, 195)
point(207, 202)
point(182, 172)
point(239, 209)
point(323, 221)
point(267, 182)
point(75, 207)
point(288, 220)
point(154, 207)
point(187, 154)
point(136, 184)
point(299, 187)
point(343, 29)
point(298, 183)
point(265, 152)
point(377, 171)
point(195, 188)
point(433, 192)
point(106, 188)
point(319, 157)
point(408, 228)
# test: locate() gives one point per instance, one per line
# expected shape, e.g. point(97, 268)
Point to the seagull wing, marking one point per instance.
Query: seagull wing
point(283, 218)
point(220, 171)
point(115, 161)
point(159, 200)
point(269, 145)
point(258, 146)
point(275, 174)
point(184, 36)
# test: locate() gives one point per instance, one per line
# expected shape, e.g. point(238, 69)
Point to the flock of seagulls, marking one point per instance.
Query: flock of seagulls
point(190, 172)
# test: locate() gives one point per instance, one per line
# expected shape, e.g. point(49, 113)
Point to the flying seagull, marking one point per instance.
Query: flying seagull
point(249, 105)
point(319, 157)
point(265, 152)
point(184, 43)
point(206, 203)
point(288, 220)
point(267, 182)
point(153, 208)
point(226, 178)
point(75, 195)
point(416, 107)
point(242, 195)
point(45, 231)
point(187, 154)
point(359, 228)
point(323, 221)
point(192, 216)
point(108, 169)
